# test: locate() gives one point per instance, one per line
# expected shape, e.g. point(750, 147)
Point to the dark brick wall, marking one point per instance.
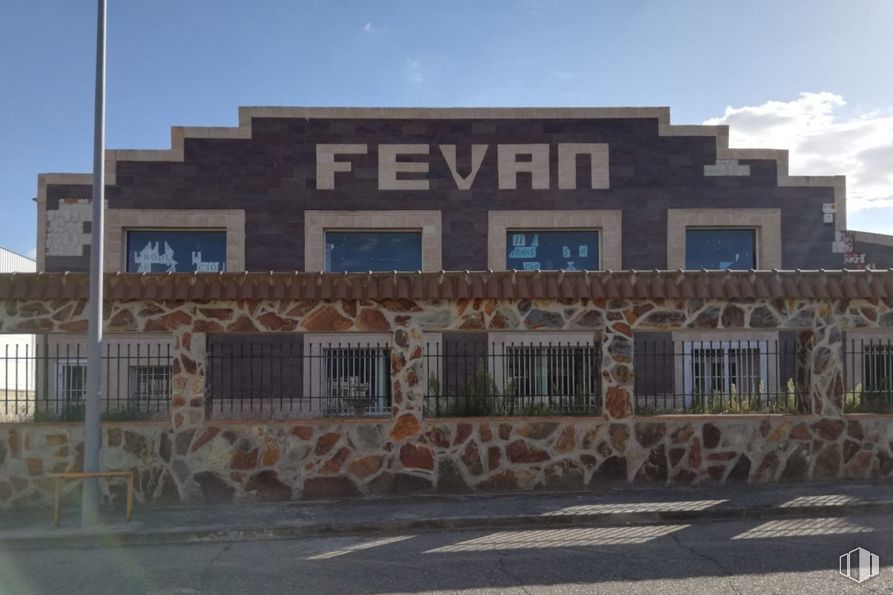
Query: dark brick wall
point(272, 177)
point(877, 256)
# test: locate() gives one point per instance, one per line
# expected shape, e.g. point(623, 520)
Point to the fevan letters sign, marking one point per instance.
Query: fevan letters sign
point(395, 173)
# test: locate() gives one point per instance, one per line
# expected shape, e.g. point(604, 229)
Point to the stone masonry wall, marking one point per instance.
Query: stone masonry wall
point(192, 458)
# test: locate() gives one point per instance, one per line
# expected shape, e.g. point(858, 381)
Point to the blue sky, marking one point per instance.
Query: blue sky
point(192, 62)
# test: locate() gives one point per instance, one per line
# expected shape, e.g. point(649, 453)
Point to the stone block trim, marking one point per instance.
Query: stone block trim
point(317, 222)
point(607, 222)
point(767, 222)
point(727, 167)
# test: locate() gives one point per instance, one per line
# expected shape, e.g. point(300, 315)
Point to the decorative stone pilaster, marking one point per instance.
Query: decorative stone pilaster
point(826, 373)
point(188, 379)
point(407, 382)
point(617, 370)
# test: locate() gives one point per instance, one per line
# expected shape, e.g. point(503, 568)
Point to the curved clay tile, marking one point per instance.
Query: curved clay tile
point(701, 287)
point(612, 292)
point(717, 284)
point(862, 286)
point(775, 286)
point(820, 286)
point(789, 287)
point(625, 286)
point(550, 285)
point(371, 289)
point(477, 287)
point(804, 287)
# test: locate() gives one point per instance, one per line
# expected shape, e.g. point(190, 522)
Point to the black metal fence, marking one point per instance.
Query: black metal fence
point(295, 376)
point(868, 374)
point(467, 377)
point(725, 376)
point(44, 378)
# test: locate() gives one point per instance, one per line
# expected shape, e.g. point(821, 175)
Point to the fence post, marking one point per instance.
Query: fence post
point(617, 371)
point(188, 379)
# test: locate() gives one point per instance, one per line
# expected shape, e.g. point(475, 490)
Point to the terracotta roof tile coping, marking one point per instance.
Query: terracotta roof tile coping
point(632, 284)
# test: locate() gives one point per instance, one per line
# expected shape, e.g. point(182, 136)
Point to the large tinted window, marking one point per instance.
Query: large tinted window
point(533, 250)
point(165, 251)
point(720, 249)
point(360, 251)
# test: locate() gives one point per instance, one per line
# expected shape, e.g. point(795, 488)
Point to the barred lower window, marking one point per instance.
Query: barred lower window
point(355, 380)
point(725, 368)
point(559, 373)
point(71, 382)
point(476, 374)
point(878, 370)
point(148, 384)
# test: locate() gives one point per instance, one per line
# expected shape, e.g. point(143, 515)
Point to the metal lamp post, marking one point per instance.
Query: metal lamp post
point(92, 431)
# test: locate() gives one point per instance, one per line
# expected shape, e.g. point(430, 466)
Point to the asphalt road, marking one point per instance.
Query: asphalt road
point(783, 556)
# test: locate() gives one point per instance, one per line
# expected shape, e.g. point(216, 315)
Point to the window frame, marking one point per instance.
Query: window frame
point(314, 387)
point(317, 223)
point(767, 222)
point(326, 232)
point(608, 223)
point(119, 221)
point(756, 241)
point(126, 241)
point(598, 243)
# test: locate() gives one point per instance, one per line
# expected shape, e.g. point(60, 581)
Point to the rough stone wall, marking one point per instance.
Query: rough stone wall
point(193, 458)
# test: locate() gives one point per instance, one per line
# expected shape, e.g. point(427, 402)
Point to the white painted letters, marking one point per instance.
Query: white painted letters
point(477, 158)
point(510, 167)
point(389, 167)
point(567, 164)
point(326, 166)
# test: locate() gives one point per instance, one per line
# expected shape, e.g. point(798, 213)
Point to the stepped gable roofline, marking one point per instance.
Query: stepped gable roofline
point(243, 131)
point(721, 285)
point(246, 114)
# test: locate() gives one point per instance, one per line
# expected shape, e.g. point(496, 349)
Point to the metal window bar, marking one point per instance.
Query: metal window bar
point(45, 379)
point(718, 376)
point(468, 378)
point(868, 373)
point(286, 377)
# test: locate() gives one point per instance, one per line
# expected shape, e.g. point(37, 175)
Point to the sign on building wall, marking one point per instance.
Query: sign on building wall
point(552, 250)
point(164, 251)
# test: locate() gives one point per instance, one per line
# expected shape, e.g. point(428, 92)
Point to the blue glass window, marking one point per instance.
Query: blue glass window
point(361, 251)
point(175, 251)
point(733, 249)
point(533, 250)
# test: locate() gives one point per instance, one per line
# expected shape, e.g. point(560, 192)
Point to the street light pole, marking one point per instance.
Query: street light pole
point(92, 431)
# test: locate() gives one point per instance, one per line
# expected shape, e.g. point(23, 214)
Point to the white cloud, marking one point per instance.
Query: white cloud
point(415, 71)
point(822, 142)
point(368, 28)
point(32, 254)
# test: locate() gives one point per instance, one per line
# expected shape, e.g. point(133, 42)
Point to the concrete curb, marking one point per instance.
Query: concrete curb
point(214, 534)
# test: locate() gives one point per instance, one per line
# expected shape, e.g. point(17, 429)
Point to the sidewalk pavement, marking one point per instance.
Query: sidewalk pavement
point(33, 529)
